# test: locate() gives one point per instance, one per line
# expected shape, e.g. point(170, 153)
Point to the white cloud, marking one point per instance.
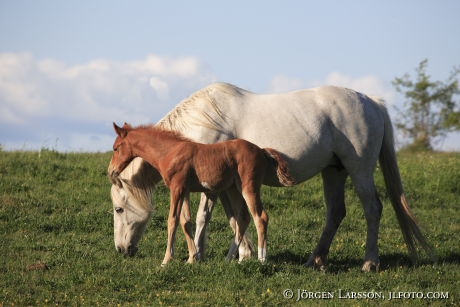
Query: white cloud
point(35, 92)
point(160, 87)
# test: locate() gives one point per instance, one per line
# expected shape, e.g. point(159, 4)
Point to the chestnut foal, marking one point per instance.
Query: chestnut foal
point(185, 166)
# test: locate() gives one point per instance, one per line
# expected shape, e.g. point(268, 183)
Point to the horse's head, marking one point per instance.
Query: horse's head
point(122, 153)
point(132, 209)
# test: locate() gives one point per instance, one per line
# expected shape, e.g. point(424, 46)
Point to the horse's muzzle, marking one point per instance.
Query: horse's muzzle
point(130, 251)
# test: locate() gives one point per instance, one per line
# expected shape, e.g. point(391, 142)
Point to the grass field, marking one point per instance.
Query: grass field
point(56, 241)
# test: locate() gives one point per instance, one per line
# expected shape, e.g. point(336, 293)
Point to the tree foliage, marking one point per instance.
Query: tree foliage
point(430, 110)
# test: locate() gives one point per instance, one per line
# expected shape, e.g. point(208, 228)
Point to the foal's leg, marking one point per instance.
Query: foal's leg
point(254, 203)
point(334, 193)
point(177, 198)
point(244, 245)
point(365, 188)
point(188, 229)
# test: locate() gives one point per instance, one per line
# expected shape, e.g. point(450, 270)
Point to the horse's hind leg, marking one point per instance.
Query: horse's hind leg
point(334, 193)
point(238, 216)
point(365, 188)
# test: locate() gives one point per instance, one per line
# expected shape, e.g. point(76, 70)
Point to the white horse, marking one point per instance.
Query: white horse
point(332, 130)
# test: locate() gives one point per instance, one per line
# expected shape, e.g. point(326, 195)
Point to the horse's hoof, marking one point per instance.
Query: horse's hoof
point(317, 262)
point(370, 266)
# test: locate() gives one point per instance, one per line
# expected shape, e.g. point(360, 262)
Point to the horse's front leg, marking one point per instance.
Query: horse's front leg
point(239, 219)
point(185, 218)
point(203, 216)
point(177, 197)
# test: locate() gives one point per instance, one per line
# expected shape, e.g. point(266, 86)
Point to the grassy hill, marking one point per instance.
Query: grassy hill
point(56, 238)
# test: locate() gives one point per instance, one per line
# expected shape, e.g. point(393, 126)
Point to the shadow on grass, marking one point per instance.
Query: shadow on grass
point(387, 261)
point(450, 258)
point(288, 257)
point(335, 265)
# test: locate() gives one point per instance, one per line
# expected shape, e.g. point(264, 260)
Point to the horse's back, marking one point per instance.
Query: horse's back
point(310, 127)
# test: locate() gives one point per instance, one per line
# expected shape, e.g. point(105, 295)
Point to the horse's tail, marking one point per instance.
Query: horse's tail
point(412, 234)
point(282, 169)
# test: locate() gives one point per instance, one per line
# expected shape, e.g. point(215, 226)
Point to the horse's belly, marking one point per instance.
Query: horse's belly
point(307, 151)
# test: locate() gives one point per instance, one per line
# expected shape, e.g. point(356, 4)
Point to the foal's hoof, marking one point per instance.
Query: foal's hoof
point(316, 262)
point(370, 266)
point(193, 259)
point(165, 263)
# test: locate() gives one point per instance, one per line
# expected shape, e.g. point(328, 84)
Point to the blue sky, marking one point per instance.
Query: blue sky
point(68, 69)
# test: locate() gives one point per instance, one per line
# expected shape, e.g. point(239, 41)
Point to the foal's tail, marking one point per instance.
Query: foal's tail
point(282, 169)
point(412, 234)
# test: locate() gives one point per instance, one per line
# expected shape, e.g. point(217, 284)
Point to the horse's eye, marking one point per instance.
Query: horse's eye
point(119, 210)
point(115, 149)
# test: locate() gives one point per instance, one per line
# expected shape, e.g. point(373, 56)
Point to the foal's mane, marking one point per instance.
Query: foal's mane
point(160, 132)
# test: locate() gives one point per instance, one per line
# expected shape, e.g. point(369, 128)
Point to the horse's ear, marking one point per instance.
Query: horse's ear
point(127, 126)
point(120, 131)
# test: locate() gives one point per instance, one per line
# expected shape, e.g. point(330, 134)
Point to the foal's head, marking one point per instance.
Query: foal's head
point(122, 151)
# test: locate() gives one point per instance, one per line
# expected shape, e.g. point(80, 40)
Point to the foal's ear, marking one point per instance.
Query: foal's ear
point(120, 131)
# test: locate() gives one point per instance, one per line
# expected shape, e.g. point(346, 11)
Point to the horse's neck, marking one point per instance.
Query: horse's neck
point(153, 148)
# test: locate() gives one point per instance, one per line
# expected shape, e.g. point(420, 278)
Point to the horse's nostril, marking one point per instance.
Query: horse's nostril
point(120, 250)
point(132, 250)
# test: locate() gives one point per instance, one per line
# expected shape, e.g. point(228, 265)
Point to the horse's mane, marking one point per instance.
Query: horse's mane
point(139, 180)
point(201, 109)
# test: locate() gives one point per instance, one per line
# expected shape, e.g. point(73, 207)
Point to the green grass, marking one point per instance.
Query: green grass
point(56, 241)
